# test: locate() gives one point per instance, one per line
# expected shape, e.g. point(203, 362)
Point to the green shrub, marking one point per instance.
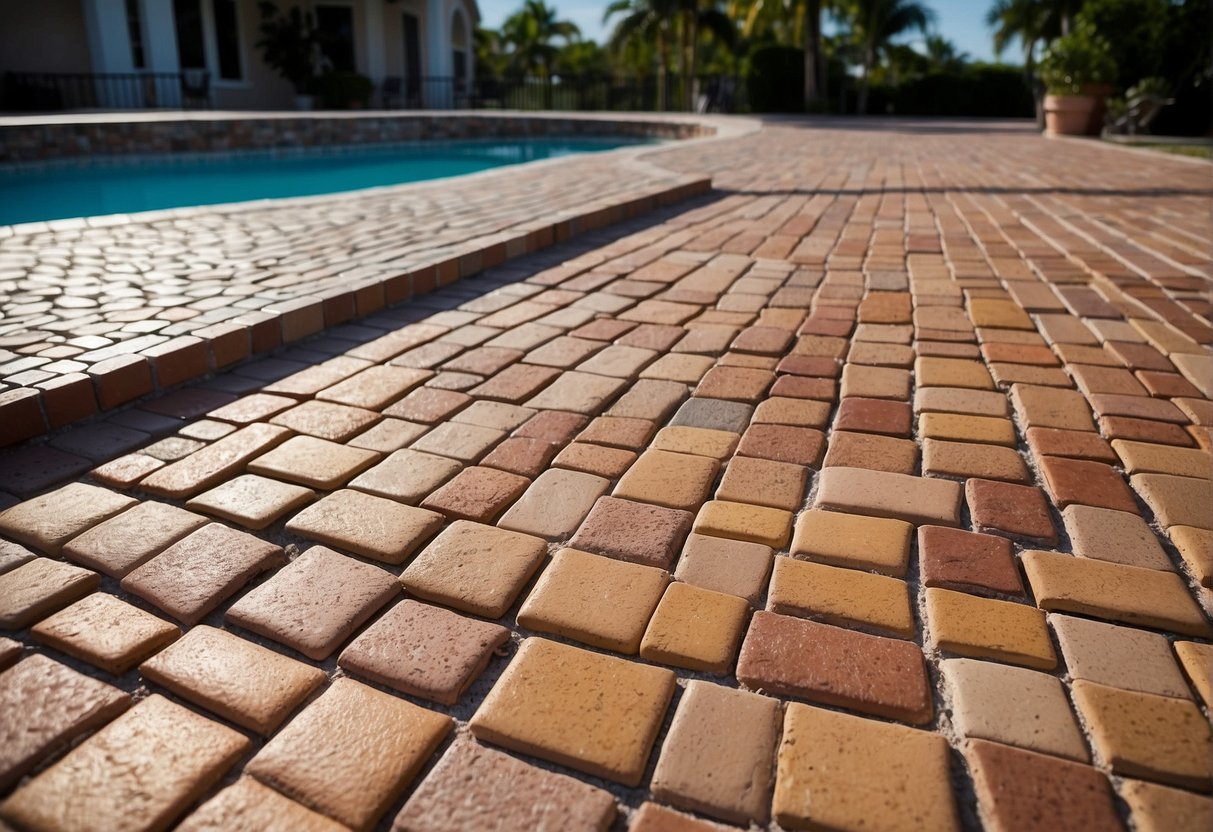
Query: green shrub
point(1077, 59)
point(342, 90)
point(979, 90)
point(775, 80)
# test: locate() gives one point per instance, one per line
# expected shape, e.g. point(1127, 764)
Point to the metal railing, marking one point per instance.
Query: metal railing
point(50, 91)
point(585, 93)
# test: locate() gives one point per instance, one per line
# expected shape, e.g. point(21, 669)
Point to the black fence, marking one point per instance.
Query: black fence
point(49, 92)
point(711, 94)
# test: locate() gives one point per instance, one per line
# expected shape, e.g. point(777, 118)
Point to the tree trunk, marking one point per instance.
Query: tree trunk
point(663, 65)
point(869, 58)
point(812, 55)
point(692, 58)
point(1029, 68)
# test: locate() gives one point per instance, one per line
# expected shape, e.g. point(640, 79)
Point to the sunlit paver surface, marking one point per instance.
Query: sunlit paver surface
point(871, 492)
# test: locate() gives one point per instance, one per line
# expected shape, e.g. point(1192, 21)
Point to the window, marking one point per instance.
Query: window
point(134, 27)
point(337, 25)
point(412, 47)
point(191, 41)
point(227, 40)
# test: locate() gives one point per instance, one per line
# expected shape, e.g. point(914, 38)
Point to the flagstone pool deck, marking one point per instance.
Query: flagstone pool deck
point(868, 489)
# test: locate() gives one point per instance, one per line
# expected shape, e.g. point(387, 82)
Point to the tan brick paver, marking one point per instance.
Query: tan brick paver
point(48, 522)
point(1156, 808)
point(596, 600)
point(315, 602)
point(846, 597)
point(105, 632)
point(695, 628)
point(38, 587)
point(246, 804)
point(199, 572)
point(366, 525)
point(128, 540)
point(1012, 706)
point(234, 678)
point(596, 714)
point(473, 787)
point(925, 360)
point(424, 651)
point(844, 771)
point(45, 705)
point(351, 752)
point(141, 771)
point(1141, 735)
point(474, 568)
point(717, 757)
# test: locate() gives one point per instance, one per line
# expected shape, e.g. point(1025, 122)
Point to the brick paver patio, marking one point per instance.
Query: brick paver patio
point(871, 490)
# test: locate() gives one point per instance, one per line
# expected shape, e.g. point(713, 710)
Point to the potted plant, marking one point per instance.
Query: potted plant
point(1077, 70)
point(344, 90)
point(290, 45)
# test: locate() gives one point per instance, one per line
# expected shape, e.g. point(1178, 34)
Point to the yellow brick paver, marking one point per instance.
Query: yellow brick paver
point(807, 475)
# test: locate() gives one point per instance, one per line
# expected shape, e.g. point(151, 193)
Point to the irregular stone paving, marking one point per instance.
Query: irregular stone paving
point(128, 306)
point(870, 492)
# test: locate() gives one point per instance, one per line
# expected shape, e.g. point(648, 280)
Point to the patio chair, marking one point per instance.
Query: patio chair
point(1143, 110)
point(196, 88)
point(1142, 104)
point(391, 92)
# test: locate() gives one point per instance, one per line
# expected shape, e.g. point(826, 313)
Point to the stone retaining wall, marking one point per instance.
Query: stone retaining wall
point(28, 140)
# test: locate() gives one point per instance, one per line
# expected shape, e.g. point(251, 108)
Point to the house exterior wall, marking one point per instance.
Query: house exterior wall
point(80, 36)
point(263, 88)
point(47, 36)
point(393, 35)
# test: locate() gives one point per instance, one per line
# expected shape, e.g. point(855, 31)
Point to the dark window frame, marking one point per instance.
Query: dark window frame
point(229, 55)
point(134, 30)
point(341, 52)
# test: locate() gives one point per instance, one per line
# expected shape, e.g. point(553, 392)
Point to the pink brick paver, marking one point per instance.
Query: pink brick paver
point(870, 489)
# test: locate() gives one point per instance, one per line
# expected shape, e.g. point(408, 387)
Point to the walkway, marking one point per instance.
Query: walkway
point(870, 490)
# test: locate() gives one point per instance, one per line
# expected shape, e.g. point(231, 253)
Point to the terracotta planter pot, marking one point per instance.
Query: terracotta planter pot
point(1068, 115)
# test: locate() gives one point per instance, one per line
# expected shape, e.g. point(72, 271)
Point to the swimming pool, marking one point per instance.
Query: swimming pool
point(123, 185)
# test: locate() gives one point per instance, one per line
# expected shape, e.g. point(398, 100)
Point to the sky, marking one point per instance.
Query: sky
point(960, 21)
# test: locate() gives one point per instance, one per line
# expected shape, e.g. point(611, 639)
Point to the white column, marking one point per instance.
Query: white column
point(471, 24)
point(376, 54)
point(160, 48)
point(160, 36)
point(109, 46)
point(437, 55)
point(109, 43)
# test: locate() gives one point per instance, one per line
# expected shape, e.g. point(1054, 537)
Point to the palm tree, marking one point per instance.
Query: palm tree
point(814, 55)
point(1027, 20)
point(943, 55)
point(530, 31)
point(801, 19)
point(645, 20)
point(1031, 22)
point(875, 22)
point(487, 44)
point(699, 15)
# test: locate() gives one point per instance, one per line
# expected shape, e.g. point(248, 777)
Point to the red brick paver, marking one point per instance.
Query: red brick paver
point(870, 490)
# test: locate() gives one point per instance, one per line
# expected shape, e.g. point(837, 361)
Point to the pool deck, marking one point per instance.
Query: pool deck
point(869, 488)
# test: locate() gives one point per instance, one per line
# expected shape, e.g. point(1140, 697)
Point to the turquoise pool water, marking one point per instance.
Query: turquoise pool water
point(88, 190)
